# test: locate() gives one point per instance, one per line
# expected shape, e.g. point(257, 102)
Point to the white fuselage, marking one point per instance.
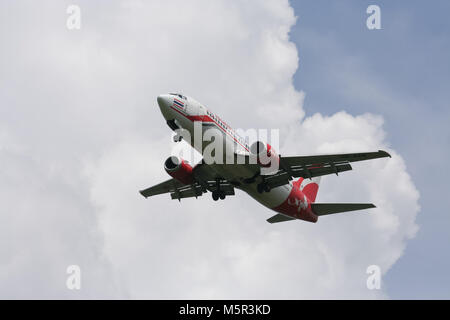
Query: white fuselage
point(185, 112)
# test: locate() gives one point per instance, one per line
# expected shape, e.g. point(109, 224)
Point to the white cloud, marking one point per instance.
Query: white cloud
point(81, 133)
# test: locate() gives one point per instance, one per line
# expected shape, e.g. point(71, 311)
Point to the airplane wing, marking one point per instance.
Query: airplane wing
point(312, 162)
point(290, 167)
point(314, 166)
point(167, 186)
point(203, 182)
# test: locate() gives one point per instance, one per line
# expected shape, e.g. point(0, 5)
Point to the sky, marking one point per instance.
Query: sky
point(401, 72)
point(81, 133)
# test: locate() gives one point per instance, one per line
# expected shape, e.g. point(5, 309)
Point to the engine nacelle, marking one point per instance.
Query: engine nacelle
point(266, 155)
point(179, 169)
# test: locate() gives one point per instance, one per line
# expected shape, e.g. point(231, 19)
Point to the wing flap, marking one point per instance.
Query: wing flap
point(334, 158)
point(312, 171)
point(322, 209)
point(282, 177)
point(196, 189)
point(190, 191)
point(319, 165)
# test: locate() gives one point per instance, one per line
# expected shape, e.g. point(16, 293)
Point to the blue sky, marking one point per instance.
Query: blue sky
point(401, 72)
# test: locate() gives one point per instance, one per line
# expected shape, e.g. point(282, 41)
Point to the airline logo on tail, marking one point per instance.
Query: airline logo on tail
point(299, 203)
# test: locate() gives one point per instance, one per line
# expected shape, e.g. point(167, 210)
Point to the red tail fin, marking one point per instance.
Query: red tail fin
point(310, 187)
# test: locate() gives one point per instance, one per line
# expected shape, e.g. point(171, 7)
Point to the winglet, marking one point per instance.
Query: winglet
point(384, 153)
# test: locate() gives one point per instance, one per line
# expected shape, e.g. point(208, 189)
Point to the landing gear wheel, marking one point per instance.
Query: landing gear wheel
point(266, 188)
point(177, 138)
point(222, 195)
point(215, 196)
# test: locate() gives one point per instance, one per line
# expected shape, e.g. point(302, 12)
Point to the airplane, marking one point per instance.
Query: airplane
point(290, 190)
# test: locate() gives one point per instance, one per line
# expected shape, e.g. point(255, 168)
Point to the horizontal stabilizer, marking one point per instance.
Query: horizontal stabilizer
point(279, 218)
point(322, 209)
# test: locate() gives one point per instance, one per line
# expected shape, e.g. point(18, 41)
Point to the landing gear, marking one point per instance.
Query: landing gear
point(260, 188)
point(263, 187)
point(216, 195)
point(177, 138)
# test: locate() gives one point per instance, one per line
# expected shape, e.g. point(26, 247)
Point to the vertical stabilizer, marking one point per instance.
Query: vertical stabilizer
point(310, 187)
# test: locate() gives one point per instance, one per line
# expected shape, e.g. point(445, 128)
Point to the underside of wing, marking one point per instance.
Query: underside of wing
point(197, 190)
point(204, 180)
point(283, 176)
point(163, 187)
point(332, 159)
point(319, 165)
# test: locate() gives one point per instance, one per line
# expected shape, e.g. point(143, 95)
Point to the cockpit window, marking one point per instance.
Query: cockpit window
point(179, 95)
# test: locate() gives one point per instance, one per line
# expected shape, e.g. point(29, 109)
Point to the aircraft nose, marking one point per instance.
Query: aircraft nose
point(164, 101)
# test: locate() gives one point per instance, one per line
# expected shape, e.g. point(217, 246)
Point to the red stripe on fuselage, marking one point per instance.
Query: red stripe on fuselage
point(206, 118)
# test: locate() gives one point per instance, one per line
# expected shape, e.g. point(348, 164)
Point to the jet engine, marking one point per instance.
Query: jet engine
point(179, 169)
point(266, 155)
